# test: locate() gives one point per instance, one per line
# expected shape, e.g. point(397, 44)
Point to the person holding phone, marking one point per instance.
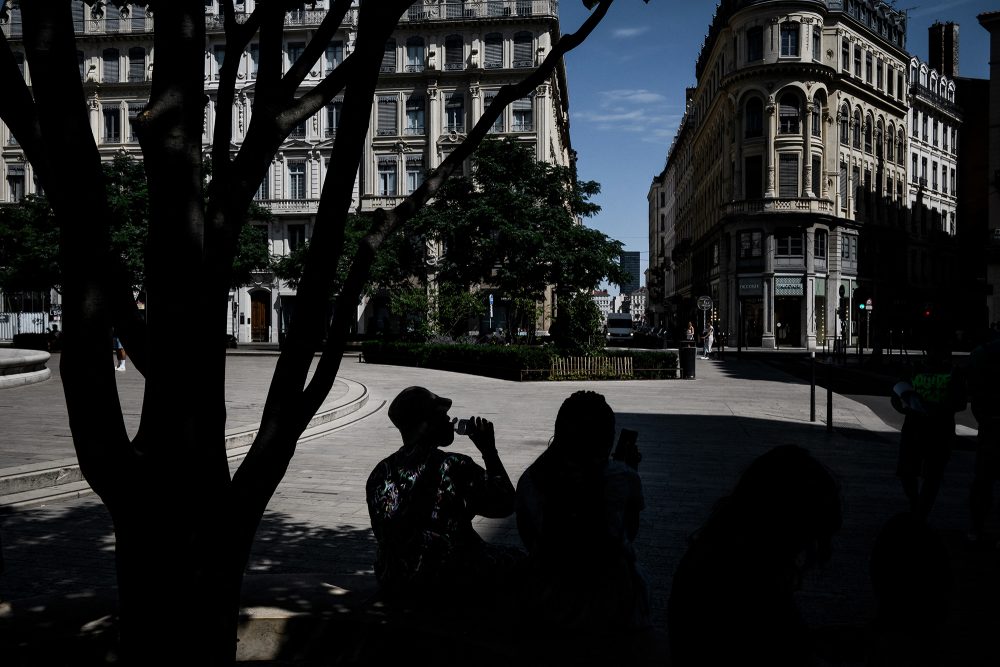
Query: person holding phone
point(578, 516)
point(422, 500)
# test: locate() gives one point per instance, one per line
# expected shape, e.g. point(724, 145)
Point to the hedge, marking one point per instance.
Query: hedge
point(504, 362)
point(512, 362)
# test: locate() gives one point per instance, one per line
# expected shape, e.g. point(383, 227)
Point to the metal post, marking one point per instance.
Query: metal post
point(829, 399)
point(812, 387)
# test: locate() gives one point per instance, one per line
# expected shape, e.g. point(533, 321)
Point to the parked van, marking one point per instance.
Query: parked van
point(618, 327)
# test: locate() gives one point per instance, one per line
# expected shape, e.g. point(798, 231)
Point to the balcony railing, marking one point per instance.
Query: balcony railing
point(449, 11)
point(800, 205)
point(292, 205)
point(480, 9)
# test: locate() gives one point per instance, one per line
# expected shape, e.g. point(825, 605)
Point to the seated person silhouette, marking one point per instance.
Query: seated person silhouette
point(912, 580)
point(732, 601)
point(422, 500)
point(578, 514)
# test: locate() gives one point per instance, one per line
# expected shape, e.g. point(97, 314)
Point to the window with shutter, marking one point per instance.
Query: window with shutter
point(415, 54)
point(788, 114)
point(219, 54)
point(454, 109)
point(522, 50)
point(333, 116)
point(494, 51)
point(753, 176)
point(254, 60)
point(389, 57)
point(522, 116)
point(755, 44)
point(81, 62)
point(109, 72)
point(454, 53)
point(137, 18)
point(77, 12)
point(136, 64)
point(754, 118)
point(134, 109)
point(296, 180)
point(817, 173)
point(415, 115)
point(111, 16)
point(386, 117)
point(112, 125)
point(334, 55)
point(386, 176)
point(843, 185)
point(788, 175)
point(498, 123)
point(414, 172)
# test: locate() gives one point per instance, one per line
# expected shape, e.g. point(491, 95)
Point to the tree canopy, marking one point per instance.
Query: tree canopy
point(183, 523)
point(29, 234)
point(515, 225)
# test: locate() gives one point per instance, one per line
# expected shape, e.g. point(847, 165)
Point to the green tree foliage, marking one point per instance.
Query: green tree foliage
point(445, 311)
point(29, 234)
point(577, 326)
point(29, 246)
point(515, 225)
point(398, 260)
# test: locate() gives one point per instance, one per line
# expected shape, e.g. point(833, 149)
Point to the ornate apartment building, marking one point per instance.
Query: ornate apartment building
point(440, 70)
point(787, 182)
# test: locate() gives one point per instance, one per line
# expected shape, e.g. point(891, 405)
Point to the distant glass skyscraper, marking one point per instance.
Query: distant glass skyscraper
point(630, 263)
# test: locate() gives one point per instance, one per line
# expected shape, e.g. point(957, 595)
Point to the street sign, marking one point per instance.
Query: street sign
point(705, 303)
point(868, 304)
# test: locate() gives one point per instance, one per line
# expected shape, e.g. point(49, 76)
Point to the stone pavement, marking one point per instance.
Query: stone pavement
point(696, 436)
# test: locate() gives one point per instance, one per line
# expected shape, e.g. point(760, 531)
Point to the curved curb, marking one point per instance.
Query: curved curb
point(26, 486)
point(22, 367)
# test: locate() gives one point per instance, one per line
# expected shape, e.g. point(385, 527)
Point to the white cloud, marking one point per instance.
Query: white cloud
point(630, 111)
point(625, 33)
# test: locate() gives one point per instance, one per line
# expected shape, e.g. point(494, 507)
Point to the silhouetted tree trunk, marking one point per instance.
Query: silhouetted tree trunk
point(183, 526)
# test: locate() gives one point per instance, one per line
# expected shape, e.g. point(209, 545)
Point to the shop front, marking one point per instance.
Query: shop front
point(751, 311)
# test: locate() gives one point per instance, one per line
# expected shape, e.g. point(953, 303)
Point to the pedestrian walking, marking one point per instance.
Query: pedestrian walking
point(983, 382)
point(709, 339)
point(119, 352)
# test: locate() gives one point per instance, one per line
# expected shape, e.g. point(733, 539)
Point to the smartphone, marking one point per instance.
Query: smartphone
point(626, 450)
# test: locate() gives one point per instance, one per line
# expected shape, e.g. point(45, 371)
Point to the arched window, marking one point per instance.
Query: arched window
point(868, 133)
point(900, 146)
point(817, 126)
point(879, 138)
point(789, 111)
point(890, 143)
point(845, 125)
point(856, 130)
point(754, 118)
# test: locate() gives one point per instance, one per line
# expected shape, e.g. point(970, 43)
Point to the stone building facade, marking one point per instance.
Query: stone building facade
point(787, 179)
point(440, 69)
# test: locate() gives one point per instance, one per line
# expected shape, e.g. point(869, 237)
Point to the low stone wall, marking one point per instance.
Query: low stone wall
point(21, 367)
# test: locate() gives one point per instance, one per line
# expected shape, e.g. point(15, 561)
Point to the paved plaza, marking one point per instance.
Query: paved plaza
point(696, 436)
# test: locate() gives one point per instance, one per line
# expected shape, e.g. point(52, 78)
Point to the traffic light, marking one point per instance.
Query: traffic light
point(927, 312)
point(842, 310)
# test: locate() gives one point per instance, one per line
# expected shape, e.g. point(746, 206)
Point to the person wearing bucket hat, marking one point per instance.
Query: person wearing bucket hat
point(422, 500)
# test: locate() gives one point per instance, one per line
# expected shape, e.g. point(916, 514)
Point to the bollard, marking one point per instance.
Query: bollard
point(829, 399)
point(812, 387)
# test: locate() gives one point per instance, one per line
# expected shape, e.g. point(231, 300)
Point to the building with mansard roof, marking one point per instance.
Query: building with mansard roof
point(441, 68)
point(786, 186)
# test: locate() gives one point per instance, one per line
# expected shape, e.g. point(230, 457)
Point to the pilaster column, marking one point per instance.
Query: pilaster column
point(772, 130)
point(807, 150)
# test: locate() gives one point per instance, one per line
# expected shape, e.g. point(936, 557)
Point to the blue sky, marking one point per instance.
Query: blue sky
point(626, 91)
